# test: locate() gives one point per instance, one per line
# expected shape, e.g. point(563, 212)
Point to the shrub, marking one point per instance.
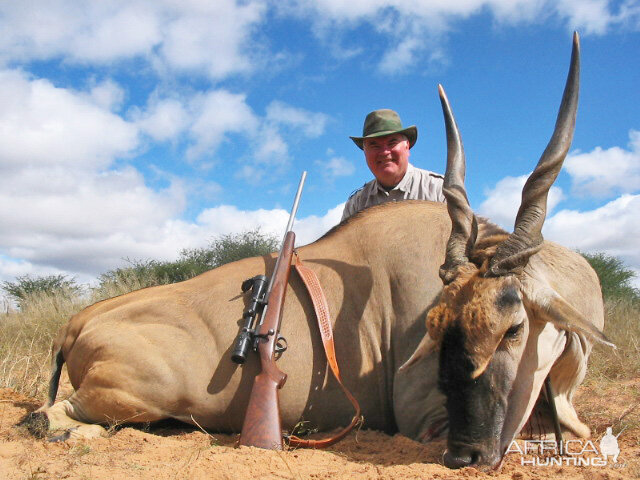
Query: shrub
point(26, 286)
point(191, 262)
point(615, 278)
point(232, 247)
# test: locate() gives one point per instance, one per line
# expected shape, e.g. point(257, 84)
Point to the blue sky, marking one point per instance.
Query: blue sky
point(133, 129)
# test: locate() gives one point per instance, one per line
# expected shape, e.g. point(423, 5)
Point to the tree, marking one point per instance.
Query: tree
point(26, 286)
point(615, 277)
point(191, 262)
point(232, 247)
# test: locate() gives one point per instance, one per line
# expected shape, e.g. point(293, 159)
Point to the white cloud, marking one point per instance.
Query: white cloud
point(96, 31)
point(312, 124)
point(309, 229)
point(163, 119)
point(63, 205)
point(227, 219)
point(271, 149)
point(54, 215)
point(604, 172)
point(41, 124)
point(107, 95)
point(11, 268)
point(412, 31)
point(591, 16)
point(335, 167)
point(210, 38)
point(502, 202)
point(217, 113)
point(209, 118)
point(219, 39)
point(83, 223)
point(613, 228)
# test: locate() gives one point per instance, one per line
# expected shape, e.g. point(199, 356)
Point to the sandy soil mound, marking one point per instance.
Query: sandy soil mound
point(171, 451)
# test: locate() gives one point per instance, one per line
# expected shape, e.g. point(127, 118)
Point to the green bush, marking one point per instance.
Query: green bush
point(232, 247)
point(26, 286)
point(615, 278)
point(191, 262)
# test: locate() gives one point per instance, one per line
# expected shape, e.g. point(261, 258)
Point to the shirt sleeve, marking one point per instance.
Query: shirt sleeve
point(430, 186)
point(349, 207)
point(439, 182)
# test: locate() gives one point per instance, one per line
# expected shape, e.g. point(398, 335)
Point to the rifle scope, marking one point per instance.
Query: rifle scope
point(245, 338)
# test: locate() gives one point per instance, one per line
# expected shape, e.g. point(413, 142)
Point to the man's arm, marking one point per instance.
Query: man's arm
point(351, 206)
point(430, 186)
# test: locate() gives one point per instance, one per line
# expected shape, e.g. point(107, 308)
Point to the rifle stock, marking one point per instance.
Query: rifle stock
point(262, 425)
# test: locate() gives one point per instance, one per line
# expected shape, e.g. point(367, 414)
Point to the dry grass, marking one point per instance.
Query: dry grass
point(26, 336)
point(622, 326)
point(126, 281)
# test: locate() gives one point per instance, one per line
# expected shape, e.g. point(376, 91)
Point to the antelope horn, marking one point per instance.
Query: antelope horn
point(464, 227)
point(513, 254)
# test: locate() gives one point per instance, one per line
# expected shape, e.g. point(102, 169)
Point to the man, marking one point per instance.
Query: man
point(386, 146)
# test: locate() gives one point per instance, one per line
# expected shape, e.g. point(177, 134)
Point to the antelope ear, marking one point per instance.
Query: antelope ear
point(425, 347)
point(557, 310)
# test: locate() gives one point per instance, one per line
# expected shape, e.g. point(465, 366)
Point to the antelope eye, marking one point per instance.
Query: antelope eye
point(513, 330)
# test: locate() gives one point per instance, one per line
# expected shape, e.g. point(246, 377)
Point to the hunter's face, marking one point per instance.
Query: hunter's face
point(387, 158)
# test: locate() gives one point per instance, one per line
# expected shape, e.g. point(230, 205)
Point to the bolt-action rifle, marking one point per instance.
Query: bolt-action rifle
point(262, 425)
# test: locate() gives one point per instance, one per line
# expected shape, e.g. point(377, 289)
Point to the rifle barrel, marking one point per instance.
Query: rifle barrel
point(292, 217)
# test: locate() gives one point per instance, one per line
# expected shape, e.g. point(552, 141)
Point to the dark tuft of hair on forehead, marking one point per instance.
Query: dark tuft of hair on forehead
point(508, 297)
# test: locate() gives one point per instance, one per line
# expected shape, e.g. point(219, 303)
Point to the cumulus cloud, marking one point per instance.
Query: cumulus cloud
point(335, 166)
point(56, 213)
point(107, 95)
point(61, 199)
point(89, 248)
point(227, 219)
point(412, 31)
point(502, 202)
point(311, 124)
point(217, 39)
point(173, 36)
point(12, 268)
point(613, 228)
point(603, 172)
point(209, 119)
point(42, 124)
point(216, 114)
point(163, 119)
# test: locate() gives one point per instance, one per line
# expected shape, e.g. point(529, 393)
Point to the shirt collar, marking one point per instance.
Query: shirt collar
point(403, 185)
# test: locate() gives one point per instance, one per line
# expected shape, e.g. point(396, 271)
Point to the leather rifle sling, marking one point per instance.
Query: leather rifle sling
point(321, 308)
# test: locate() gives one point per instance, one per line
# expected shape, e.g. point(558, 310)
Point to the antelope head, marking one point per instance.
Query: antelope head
point(489, 324)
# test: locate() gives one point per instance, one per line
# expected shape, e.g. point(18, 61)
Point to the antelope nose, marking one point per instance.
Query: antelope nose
point(462, 457)
point(456, 461)
point(470, 456)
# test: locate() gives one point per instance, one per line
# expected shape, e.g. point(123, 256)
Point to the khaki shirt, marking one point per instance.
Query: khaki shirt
point(417, 184)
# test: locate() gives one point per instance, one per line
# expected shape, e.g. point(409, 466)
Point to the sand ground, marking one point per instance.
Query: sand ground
point(174, 451)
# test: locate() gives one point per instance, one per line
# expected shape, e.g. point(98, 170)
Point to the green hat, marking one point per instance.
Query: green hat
point(385, 122)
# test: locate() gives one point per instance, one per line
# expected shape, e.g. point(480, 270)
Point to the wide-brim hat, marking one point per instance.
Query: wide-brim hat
point(385, 122)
